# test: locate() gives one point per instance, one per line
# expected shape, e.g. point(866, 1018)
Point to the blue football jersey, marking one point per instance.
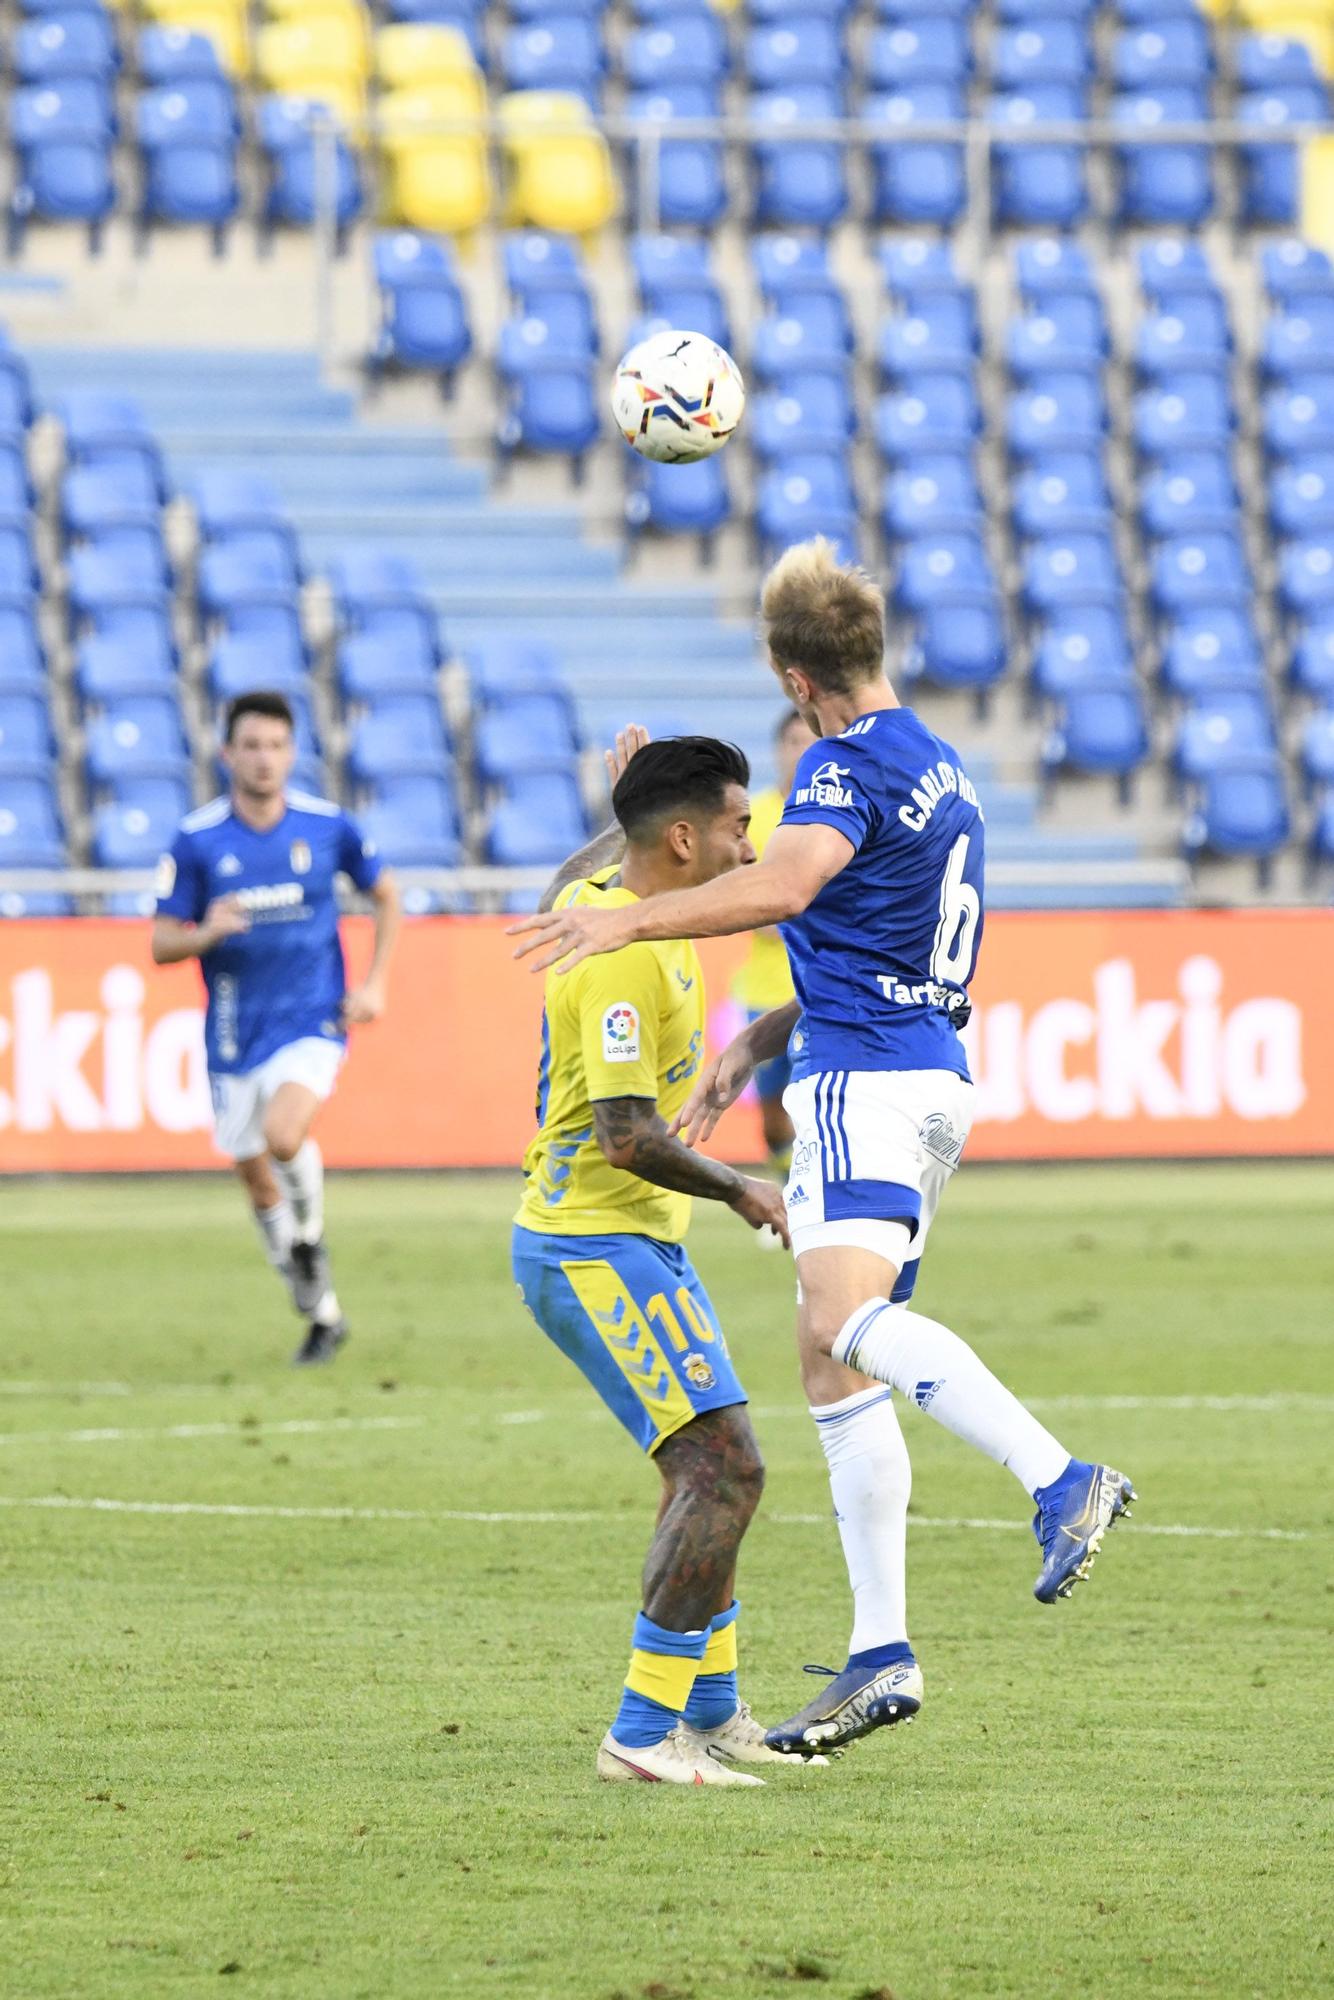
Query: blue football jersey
point(283, 979)
point(887, 949)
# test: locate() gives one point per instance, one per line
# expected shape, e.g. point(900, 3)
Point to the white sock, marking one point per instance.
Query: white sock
point(870, 1479)
point(943, 1376)
point(275, 1227)
point(302, 1181)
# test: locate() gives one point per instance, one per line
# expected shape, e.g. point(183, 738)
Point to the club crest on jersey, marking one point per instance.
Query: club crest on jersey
point(299, 857)
point(826, 787)
point(229, 865)
point(620, 1033)
point(698, 1372)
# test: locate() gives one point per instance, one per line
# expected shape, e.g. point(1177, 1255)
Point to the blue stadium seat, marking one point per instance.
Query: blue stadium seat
point(804, 413)
point(1169, 183)
point(137, 737)
point(798, 182)
point(689, 48)
point(100, 579)
point(1211, 652)
point(189, 163)
point(65, 44)
point(176, 55)
point(247, 568)
point(1139, 11)
point(938, 335)
point(109, 669)
point(796, 51)
point(16, 411)
point(529, 257)
point(1218, 729)
point(698, 307)
point(240, 661)
point(228, 501)
point(1038, 52)
point(1190, 334)
point(959, 643)
point(761, 10)
point(814, 484)
point(1170, 265)
point(552, 409)
point(27, 747)
point(1311, 669)
point(561, 52)
point(273, 626)
point(364, 581)
point(1301, 496)
point(133, 829)
point(98, 425)
point(679, 499)
point(111, 492)
point(660, 258)
point(1300, 340)
point(423, 323)
point(74, 107)
point(1291, 269)
point(560, 334)
point(1270, 174)
point(1035, 184)
point(1194, 494)
point(1064, 493)
point(1306, 576)
point(1168, 52)
point(913, 10)
point(1071, 569)
point(937, 414)
point(22, 660)
point(918, 264)
point(1242, 810)
point(1069, 336)
point(784, 264)
point(414, 823)
point(1101, 727)
point(1316, 752)
point(692, 188)
point(1183, 413)
point(1298, 418)
point(36, 903)
point(372, 666)
point(1067, 413)
point(930, 48)
point(1083, 647)
point(812, 336)
point(68, 179)
point(1269, 62)
point(31, 833)
point(16, 494)
point(939, 569)
point(284, 126)
point(527, 734)
point(403, 737)
point(1044, 264)
point(917, 181)
point(1199, 571)
point(18, 564)
point(537, 824)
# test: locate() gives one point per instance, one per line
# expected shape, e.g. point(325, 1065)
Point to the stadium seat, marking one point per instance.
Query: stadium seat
point(560, 52)
point(110, 493)
point(691, 188)
point(779, 55)
point(1301, 497)
point(240, 661)
point(1067, 412)
point(699, 307)
point(371, 667)
point(558, 167)
point(931, 48)
point(412, 53)
point(1298, 417)
point(247, 568)
point(937, 414)
point(1190, 334)
point(27, 747)
point(525, 734)
point(537, 824)
point(804, 413)
point(423, 311)
point(1311, 669)
point(414, 823)
point(31, 833)
point(918, 264)
point(1037, 185)
point(1316, 752)
point(1272, 62)
point(1183, 413)
point(1169, 183)
point(176, 55)
point(782, 263)
point(22, 659)
point(807, 496)
point(1271, 174)
point(98, 426)
point(1070, 656)
point(798, 181)
point(100, 579)
point(1306, 576)
point(1194, 494)
point(1201, 661)
point(403, 737)
point(1197, 572)
point(916, 182)
point(1170, 265)
point(680, 499)
point(1071, 569)
point(1173, 51)
point(434, 182)
point(938, 335)
point(107, 670)
point(70, 43)
point(499, 669)
point(688, 48)
point(137, 737)
point(285, 129)
point(1292, 269)
point(960, 643)
point(321, 56)
point(551, 409)
point(18, 563)
point(64, 179)
point(1101, 728)
point(1069, 336)
point(811, 336)
point(1218, 729)
point(36, 903)
point(939, 569)
point(227, 501)
point(1242, 810)
point(1030, 54)
point(1064, 493)
point(1046, 264)
point(1299, 341)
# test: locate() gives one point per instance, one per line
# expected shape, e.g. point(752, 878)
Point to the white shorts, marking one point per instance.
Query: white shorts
point(239, 1102)
point(873, 1147)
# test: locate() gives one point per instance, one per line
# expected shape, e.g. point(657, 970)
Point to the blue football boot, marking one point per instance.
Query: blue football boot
point(1074, 1513)
point(857, 1700)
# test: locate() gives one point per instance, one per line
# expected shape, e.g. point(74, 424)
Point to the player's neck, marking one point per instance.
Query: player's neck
point(838, 712)
point(647, 875)
point(262, 815)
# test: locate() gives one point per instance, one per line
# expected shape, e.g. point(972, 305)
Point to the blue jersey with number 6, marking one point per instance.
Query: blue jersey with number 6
point(883, 956)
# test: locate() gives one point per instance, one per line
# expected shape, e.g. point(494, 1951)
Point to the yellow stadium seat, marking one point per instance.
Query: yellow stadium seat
point(1317, 202)
point(559, 172)
point(225, 22)
point(412, 53)
point(442, 185)
point(300, 10)
point(323, 57)
point(405, 112)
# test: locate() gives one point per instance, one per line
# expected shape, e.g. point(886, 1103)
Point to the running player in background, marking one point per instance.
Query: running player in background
point(248, 890)
point(599, 1260)
point(764, 982)
point(876, 877)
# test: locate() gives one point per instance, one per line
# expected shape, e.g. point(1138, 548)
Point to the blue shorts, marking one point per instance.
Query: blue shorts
point(773, 1077)
point(634, 1318)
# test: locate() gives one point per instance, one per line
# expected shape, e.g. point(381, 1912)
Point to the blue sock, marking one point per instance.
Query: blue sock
point(900, 1654)
point(662, 1670)
point(714, 1698)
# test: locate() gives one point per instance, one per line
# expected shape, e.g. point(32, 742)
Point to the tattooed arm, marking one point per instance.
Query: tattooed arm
point(634, 1138)
point(606, 849)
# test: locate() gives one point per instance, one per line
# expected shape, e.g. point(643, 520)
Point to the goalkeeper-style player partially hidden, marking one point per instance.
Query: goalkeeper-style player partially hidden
point(600, 1264)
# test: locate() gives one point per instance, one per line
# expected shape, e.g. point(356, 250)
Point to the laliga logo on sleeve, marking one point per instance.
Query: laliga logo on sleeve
point(620, 1034)
point(826, 787)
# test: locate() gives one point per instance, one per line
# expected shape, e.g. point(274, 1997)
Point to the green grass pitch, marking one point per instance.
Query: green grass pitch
point(315, 1718)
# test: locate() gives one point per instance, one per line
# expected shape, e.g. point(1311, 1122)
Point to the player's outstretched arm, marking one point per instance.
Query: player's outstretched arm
point(605, 849)
point(633, 1137)
point(797, 863)
point(722, 1081)
point(174, 940)
point(368, 1001)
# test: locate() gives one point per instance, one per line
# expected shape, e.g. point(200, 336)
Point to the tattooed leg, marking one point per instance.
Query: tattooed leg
point(714, 1477)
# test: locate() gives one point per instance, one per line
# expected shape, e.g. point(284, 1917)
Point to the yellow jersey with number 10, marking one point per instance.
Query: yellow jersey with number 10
point(627, 1024)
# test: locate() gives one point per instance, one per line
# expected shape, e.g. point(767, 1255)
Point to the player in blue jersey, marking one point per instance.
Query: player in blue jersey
point(248, 890)
point(875, 876)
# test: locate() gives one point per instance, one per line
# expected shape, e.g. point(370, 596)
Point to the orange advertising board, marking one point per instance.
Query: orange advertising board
point(1094, 1035)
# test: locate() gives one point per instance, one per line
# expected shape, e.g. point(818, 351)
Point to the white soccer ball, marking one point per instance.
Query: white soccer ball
point(677, 397)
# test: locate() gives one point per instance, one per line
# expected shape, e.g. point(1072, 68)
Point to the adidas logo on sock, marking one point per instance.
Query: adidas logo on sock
point(924, 1392)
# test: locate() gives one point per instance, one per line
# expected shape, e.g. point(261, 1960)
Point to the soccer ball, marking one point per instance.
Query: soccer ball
point(677, 397)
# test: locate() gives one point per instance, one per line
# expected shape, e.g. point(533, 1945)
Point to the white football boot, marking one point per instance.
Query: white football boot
point(741, 1739)
point(675, 1761)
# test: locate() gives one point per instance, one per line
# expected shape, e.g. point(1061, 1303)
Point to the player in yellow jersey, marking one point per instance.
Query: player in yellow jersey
point(764, 982)
point(600, 1264)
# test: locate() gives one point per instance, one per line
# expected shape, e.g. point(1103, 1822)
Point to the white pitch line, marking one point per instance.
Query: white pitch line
point(236, 1510)
point(287, 1427)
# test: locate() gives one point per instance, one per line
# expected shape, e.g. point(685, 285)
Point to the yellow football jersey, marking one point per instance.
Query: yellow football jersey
point(764, 981)
point(629, 1023)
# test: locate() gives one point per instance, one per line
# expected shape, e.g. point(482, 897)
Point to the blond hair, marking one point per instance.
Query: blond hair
point(824, 617)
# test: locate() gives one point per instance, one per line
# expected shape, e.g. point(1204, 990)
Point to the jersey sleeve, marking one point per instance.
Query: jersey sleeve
point(358, 856)
point(182, 884)
point(834, 787)
point(618, 998)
